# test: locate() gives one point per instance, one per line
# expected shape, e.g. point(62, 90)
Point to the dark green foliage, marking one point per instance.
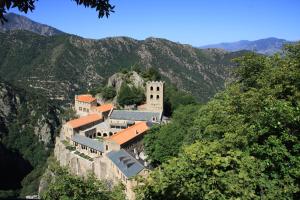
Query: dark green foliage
point(173, 98)
point(151, 74)
point(63, 185)
point(108, 92)
point(164, 142)
point(103, 7)
point(68, 114)
point(130, 95)
point(245, 141)
point(8, 194)
point(20, 137)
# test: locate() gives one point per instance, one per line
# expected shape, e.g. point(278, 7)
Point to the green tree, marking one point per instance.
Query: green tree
point(151, 74)
point(130, 95)
point(163, 142)
point(108, 92)
point(245, 140)
point(173, 98)
point(63, 185)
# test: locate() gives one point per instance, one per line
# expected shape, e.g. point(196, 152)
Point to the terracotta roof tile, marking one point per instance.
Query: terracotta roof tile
point(129, 133)
point(75, 123)
point(105, 107)
point(85, 98)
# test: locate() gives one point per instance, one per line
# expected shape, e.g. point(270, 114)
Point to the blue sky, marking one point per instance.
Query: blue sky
point(195, 22)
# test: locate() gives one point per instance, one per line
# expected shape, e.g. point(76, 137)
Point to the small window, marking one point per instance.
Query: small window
point(106, 147)
point(151, 96)
point(157, 89)
point(157, 96)
point(80, 108)
point(151, 88)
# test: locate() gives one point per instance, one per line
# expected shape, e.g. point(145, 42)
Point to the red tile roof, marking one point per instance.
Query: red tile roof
point(75, 123)
point(129, 133)
point(104, 107)
point(87, 98)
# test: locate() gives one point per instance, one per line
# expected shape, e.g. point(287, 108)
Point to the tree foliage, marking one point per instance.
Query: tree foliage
point(63, 185)
point(103, 7)
point(245, 140)
point(130, 95)
point(163, 142)
point(108, 92)
point(151, 74)
point(173, 98)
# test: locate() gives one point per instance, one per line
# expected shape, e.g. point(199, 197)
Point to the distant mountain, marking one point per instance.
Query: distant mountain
point(18, 22)
point(266, 46)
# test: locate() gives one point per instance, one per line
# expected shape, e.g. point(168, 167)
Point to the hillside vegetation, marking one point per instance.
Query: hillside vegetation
point(62, 65)
point(243, 144)
point(28, 124)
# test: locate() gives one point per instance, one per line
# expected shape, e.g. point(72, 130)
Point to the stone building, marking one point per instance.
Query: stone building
point(84, 104)
point(125, 118)
point(85, 126)
point(109, 142)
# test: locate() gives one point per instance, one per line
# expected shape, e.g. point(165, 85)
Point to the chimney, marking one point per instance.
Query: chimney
point(137, 157)
point(146, 164)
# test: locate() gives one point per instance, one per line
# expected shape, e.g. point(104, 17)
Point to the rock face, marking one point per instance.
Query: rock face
point(13, 101)
point(9, 104)
point(131, 78)
point(18, 22)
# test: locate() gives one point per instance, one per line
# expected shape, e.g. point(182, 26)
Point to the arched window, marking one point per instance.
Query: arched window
point(104, 134)
point(99, 134)
point(157, 89)
point(157, 96)
point(110, 133)
point(151, 88)
point(151, 96)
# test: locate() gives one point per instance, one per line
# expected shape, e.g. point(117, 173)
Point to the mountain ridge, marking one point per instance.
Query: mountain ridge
point(20, 22)
point(266, 46)
point(67, 64)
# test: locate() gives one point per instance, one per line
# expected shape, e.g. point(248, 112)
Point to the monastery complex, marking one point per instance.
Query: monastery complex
point(107, 142)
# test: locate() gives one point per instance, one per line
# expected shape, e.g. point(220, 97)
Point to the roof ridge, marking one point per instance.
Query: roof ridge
point(128, 128)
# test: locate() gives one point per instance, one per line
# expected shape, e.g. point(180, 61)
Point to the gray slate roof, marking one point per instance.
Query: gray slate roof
point(94, 144)
point(128, 165)
point(134, 115)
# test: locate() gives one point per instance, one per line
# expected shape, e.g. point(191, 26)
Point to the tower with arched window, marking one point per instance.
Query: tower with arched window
point(155, 95)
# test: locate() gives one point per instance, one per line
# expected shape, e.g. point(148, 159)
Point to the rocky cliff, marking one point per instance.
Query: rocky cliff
point(27, 127)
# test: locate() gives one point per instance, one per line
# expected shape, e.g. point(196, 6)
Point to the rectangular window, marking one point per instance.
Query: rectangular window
point(80, 108)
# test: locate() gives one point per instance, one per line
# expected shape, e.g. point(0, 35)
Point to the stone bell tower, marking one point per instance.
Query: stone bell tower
point(155, 96)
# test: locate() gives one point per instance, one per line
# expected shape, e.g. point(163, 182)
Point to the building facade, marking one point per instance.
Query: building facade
point(155, 96)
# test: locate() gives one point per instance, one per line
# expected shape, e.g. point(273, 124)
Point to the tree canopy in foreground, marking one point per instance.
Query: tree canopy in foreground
point(245, 142)
point(103, 7)
point(64, 185)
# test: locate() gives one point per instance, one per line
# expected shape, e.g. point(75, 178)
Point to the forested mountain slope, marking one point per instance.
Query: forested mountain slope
point(62, 65)
point(27, 128)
